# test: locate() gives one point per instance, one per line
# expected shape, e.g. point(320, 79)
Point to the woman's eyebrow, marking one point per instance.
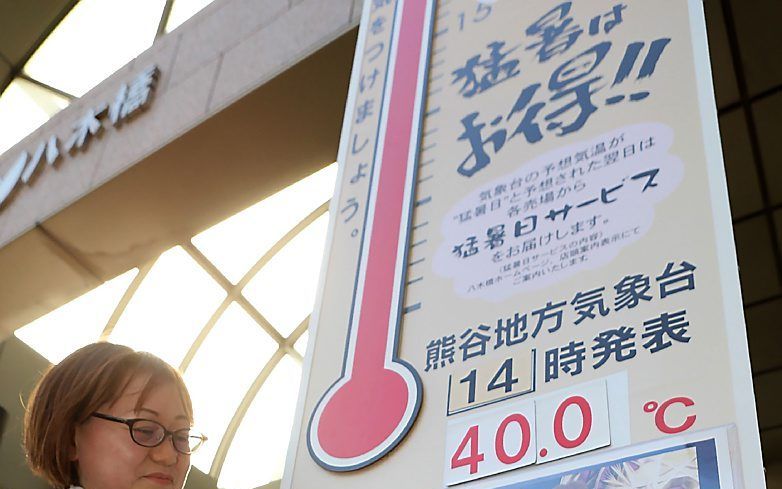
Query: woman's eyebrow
point(148, 410)
point(180, 416)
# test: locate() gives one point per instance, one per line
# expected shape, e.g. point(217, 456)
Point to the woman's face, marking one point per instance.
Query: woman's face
point(107, 457)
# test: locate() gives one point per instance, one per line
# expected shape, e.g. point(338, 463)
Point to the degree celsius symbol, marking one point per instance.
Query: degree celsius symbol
point(660, 410)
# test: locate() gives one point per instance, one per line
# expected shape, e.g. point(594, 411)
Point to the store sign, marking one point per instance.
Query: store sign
point(530, 280)
point(130, 99)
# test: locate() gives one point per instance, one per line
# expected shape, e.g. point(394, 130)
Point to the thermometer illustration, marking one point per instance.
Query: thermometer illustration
point(373, 405)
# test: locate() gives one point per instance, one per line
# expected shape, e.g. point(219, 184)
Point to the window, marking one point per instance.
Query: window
point(233, 303)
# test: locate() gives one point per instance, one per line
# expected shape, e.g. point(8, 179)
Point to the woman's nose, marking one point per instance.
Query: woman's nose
point(165, 454)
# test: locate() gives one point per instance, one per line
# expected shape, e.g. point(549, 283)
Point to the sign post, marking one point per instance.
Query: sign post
point(530, 279)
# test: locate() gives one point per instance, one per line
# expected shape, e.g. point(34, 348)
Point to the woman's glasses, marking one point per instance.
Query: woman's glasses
point(148, 433)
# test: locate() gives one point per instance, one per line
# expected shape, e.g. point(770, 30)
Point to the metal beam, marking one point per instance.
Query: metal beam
point(48, 87)
point(163, 24)
point(18, 68)
point(218, 276)
point(241, 411)
point(234, 292)
point(125, 300)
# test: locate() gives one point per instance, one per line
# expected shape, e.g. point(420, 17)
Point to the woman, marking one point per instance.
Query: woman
point(108, 417)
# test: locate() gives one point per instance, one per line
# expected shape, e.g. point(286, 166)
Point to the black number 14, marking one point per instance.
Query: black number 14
point(503, 379)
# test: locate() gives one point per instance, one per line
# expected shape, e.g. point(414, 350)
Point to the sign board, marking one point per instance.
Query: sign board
point(530, 280)
point(130, 100)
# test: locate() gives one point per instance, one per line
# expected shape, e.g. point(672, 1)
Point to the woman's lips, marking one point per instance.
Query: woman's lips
point(159, 478)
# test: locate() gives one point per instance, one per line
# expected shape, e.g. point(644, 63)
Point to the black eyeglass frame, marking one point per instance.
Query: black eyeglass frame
point(129, 422)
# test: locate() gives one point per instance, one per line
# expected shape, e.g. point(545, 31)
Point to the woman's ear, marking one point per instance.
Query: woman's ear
point(73, 450)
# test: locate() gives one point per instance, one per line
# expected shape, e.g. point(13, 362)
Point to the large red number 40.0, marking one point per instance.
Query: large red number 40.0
point(474, 458)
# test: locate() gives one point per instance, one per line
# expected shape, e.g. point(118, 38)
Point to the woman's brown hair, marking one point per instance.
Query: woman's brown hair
point(68, 394)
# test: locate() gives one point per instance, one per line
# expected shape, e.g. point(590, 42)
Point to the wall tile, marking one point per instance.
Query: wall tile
point(764, 335)
point(725, 85)
point(768, 120)
point(355, 13)
point(778, 225)
point(757, 267)
point(291, 37)
point(769, 402)
point(743, 185)
point(757, 28)
point(207, 38)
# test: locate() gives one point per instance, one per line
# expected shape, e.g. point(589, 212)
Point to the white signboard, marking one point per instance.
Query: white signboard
point(530, 281)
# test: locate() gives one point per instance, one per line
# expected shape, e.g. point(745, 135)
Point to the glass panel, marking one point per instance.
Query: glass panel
point(77, 323)
point(257, 454)
point(301, 343)
point(25, 106)
point(284, 290)
point(168, 311)
point(93, 41)
point(235, 244)
point(236, 349)
point(183, 10)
